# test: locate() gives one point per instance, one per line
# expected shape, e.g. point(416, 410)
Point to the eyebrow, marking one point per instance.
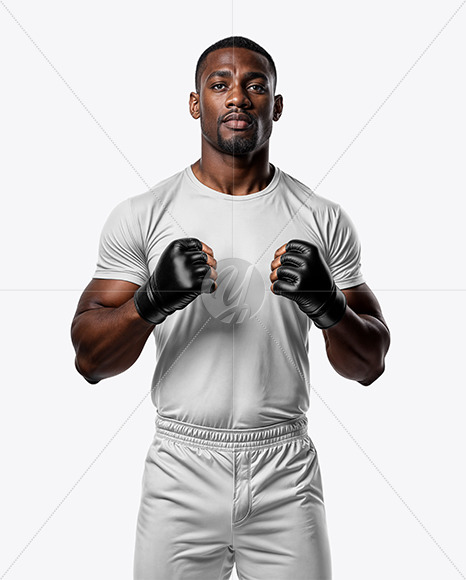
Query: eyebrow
point(247, 76)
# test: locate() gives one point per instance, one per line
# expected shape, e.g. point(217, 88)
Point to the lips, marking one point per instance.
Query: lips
point(237, 121)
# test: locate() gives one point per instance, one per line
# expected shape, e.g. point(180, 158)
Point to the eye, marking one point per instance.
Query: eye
point(218, 86)
point(258, 88)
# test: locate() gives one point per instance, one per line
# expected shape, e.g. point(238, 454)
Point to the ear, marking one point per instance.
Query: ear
point(277, 107)
point(194, 107)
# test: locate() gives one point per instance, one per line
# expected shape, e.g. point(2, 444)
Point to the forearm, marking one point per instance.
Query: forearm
point(108, 341)
point(357, 345)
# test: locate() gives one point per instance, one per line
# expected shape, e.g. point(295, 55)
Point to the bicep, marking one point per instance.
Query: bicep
point(363, 301)
point(101, 293)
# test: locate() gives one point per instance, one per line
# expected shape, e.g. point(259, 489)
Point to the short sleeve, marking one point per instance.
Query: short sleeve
point(121, 249)
point(344, 252)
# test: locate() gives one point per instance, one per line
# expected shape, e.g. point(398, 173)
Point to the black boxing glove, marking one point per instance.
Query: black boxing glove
point(305, 278)
point(175, 282)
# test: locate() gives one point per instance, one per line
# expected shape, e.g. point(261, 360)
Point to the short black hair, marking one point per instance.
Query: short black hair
point(233, 42)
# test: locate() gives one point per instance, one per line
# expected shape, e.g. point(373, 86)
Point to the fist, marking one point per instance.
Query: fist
point(299, 273)
point(177, 279)
point(181, 270)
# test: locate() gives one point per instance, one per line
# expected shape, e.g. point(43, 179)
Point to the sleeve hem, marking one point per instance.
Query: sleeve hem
point(113, 275)
point(350, 282)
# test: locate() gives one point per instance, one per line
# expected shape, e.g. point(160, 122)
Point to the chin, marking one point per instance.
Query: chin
point(238, 147)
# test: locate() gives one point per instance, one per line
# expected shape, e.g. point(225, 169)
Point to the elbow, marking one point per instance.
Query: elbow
point(85, 371)
point(83, 361)
point(373, 375)
point(377, 368)
point(375, 364)
point(361, 370)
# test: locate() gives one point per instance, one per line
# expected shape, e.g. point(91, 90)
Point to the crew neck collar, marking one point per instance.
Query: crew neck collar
point(234, 198)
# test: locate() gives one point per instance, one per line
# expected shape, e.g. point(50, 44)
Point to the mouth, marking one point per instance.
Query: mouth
point(238, 121)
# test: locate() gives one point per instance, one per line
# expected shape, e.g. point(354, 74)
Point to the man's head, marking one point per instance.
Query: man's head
point(234, 98)
point(233, 42)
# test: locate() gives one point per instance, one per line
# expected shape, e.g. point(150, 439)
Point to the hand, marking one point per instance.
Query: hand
point(300, 274)
point(176, 280)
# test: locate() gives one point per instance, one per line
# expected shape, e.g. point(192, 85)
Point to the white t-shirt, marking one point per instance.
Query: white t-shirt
point(237, 358)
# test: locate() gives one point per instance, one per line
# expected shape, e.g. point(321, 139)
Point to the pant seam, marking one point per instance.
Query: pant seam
point(249, 495)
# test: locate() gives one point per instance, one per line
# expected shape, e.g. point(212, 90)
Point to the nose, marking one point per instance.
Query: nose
point(237, 97)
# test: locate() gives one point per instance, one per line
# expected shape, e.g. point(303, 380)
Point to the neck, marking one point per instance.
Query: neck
point(232, 175)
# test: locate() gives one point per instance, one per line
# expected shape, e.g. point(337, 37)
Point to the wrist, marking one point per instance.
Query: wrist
point(147, 305)
point(332, 311)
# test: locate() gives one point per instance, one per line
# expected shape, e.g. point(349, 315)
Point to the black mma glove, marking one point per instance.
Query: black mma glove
point(305, 278)
point(175, 282)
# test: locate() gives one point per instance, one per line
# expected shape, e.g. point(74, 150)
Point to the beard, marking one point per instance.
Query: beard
point(238, 145)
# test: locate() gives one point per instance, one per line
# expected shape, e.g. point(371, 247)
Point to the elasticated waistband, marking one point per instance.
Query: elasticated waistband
point(231, 438)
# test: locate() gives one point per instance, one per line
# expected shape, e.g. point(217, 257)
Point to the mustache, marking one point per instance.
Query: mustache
point(251, 119)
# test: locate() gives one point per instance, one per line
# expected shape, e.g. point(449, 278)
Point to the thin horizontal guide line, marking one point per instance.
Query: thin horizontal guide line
point(171, 291)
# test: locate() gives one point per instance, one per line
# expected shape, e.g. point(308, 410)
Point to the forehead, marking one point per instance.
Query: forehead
point(237, 60)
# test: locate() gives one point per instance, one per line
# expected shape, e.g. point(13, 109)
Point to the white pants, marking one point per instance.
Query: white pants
point(212, 498)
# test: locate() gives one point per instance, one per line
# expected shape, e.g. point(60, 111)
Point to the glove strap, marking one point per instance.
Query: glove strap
point(332, 310)
point(145, 300)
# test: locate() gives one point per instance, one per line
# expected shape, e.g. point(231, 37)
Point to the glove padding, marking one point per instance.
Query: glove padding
point(305, 278)
point(175, 282)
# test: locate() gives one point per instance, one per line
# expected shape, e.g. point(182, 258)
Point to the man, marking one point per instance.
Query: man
point(232, 475)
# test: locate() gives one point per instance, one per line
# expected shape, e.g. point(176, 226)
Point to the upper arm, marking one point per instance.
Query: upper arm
point(122, 249)
point(363, 301)
point(105, 294)
point(121, 263)
point(343, 251)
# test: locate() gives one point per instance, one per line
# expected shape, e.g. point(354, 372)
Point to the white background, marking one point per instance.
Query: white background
point(392, 454)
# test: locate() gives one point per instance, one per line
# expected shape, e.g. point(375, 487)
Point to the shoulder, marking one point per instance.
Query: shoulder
point(156, 196)
point(137, 214)
point(318, 204)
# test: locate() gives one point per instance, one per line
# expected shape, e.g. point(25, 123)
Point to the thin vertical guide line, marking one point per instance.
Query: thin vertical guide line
point(232, 238)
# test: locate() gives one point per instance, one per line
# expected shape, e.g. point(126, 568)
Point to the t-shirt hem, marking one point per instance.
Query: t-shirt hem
point(113, 275)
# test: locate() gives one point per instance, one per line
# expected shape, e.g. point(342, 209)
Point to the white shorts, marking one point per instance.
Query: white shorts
point(213, 498)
